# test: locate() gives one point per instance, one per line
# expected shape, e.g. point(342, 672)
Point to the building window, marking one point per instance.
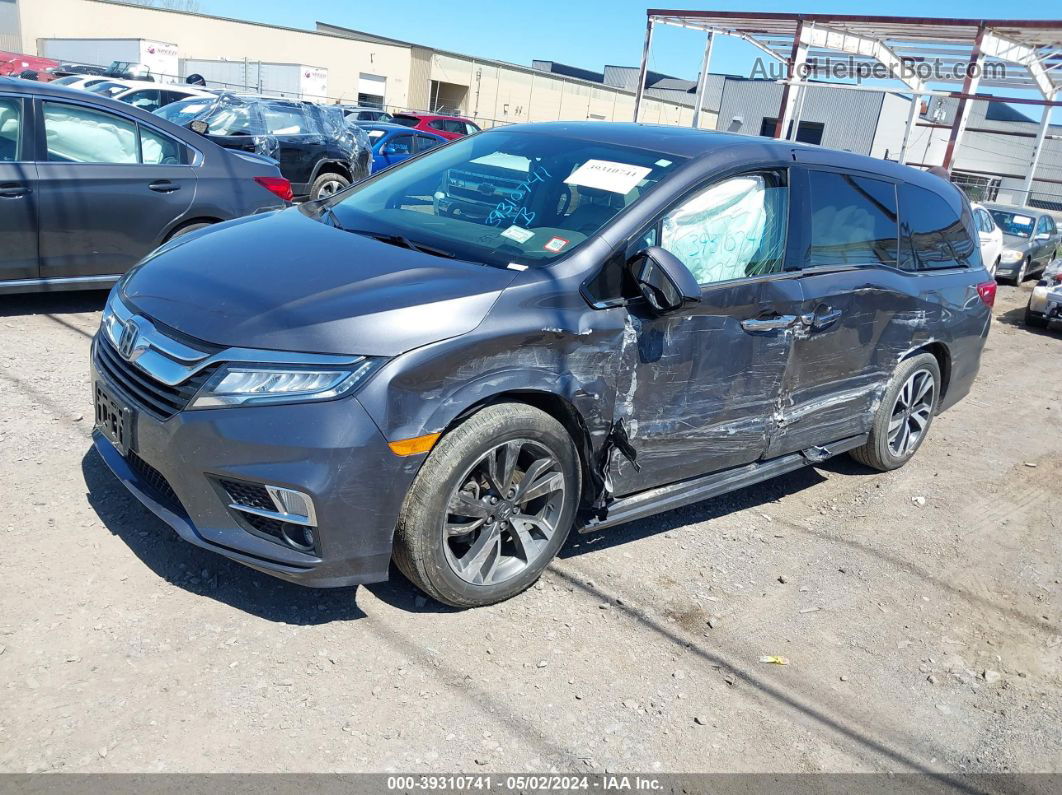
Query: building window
point(809, 132)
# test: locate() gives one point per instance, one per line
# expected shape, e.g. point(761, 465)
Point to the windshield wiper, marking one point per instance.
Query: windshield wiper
point(400, 240)
point(383, 237)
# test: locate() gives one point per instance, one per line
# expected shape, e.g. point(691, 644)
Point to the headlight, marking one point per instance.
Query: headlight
point(1010, 255)
point(244, 385)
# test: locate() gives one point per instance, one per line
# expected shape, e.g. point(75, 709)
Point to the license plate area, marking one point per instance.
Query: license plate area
point(114, 419)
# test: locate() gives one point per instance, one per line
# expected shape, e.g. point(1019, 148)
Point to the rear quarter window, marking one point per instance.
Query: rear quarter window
point(935, 234)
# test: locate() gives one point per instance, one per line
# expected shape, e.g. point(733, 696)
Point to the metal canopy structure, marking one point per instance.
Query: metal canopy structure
point(1010, 54)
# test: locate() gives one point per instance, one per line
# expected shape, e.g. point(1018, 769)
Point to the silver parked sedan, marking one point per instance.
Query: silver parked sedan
point(1030, 239)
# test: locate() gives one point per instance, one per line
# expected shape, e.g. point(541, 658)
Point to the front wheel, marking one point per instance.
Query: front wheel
point(490, 507)
point(904, 415)
point(1023, 271)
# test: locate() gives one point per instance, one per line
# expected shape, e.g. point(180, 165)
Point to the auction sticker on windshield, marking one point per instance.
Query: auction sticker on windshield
point(518, 233)
point(608, 175)
point(555, 244)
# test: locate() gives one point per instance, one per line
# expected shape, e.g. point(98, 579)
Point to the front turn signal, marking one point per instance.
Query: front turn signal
point(418, 444)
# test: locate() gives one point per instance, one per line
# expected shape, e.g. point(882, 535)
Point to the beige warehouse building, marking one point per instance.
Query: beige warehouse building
point(360, 66)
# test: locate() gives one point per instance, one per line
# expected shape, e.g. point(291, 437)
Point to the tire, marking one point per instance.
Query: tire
point(1034, 320)
point(184, 230)
point(882, 453)
point(327, 184)
point(1022, 273)
point(447, 564)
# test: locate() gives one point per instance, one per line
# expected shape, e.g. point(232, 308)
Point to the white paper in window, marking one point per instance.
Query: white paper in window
point(718, 232)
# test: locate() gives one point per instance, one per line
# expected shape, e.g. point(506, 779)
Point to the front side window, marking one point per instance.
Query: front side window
point(80, 135)
point(10, 127)
point(731, 230)
point(399, 145)
point(853, 220)
point(505, 197)
point(283, 119)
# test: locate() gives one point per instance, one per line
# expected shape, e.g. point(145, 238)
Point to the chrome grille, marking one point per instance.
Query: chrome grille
point(158, 399)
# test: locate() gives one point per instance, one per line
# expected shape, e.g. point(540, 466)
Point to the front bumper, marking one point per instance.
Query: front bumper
point(331, 451)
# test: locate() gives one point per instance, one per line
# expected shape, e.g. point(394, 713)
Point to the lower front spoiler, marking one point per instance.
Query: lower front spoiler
point(367, 569)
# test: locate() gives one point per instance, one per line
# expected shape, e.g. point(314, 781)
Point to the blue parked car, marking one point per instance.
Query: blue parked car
point(393, 143)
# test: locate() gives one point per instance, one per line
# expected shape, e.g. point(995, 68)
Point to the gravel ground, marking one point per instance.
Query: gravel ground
point(919, 612)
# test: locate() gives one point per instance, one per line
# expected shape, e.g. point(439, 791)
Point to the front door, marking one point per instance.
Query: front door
point(18, 195)
point(109, 190)
point(699, 387)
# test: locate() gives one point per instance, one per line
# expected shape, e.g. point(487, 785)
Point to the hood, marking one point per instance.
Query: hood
point(1016, 242)
point(285, 281)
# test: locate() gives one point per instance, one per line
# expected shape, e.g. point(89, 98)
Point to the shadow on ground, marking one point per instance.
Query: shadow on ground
point(55, 303)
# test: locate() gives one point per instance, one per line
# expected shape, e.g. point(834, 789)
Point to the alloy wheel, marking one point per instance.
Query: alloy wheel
point(1022, 272)
point(329, 188)
point(911, 412)
point(503, 513)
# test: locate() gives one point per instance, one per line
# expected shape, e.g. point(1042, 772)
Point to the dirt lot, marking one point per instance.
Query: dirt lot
point(919, 611)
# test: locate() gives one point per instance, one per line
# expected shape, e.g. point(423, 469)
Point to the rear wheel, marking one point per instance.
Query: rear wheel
point(490, 507)
point(328, 184)
point(184, 230)
point(1034, 319)
point(904, 415)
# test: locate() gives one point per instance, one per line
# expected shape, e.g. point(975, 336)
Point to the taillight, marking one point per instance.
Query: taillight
point(278, 186)
point(987, 291)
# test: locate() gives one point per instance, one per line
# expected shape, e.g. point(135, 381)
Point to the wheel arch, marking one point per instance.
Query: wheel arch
point(942, 354)
point(556, 406)
point(187, 222)
point(331, 167)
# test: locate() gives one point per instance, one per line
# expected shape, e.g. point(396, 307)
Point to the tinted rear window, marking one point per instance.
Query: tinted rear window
point(405, 121)
point(939, 237)
point(853, 220)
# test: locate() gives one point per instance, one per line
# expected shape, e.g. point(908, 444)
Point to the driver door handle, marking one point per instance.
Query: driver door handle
point(755, 324)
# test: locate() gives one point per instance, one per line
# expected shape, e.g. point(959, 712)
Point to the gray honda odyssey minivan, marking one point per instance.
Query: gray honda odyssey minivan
point(537, 328)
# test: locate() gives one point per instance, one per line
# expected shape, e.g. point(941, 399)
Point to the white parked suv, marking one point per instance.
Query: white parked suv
point(147, 95)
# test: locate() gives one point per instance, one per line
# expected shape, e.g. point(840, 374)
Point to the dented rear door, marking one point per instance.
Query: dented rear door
point(845, 347)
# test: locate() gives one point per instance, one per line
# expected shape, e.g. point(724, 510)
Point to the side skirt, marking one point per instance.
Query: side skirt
point(686, 492)
point(58, 283)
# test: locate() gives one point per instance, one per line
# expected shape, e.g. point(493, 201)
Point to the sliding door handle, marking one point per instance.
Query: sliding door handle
point(755, 324)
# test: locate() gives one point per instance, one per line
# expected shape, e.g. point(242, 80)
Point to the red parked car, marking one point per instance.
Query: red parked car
point(14, 64)
point(448, 127)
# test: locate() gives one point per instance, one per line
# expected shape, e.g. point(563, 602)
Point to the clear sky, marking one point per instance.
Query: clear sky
point(586, 33)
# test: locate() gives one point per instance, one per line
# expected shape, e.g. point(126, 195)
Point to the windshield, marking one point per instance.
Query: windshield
point(1014, 223)
point(503, 196)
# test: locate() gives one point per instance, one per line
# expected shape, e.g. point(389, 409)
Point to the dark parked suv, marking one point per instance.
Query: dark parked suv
point(88, 186)
point(650, 317)
point(317, 150)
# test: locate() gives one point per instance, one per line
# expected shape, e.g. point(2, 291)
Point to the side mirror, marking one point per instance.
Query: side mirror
point(664, 281)
point(1043, 236)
